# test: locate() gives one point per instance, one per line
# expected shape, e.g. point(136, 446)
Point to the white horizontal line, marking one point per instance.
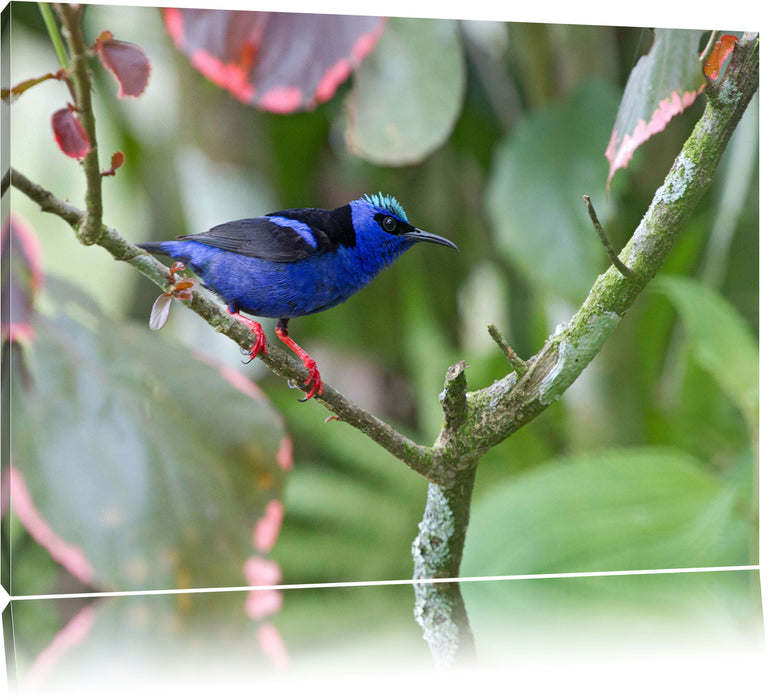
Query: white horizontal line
point(395, 582)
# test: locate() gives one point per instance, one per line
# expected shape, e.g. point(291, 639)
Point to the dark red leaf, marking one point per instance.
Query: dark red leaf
point(22, 277)
point(279, 62)
point(70, 133)
point(127, 62)
point(722, 49)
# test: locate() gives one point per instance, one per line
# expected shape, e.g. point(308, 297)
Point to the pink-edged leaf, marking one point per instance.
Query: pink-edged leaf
point(137, 476)
point(662, 84)
point(127, 62)
point(22, 277)
point(70, 134)
point(278, 62)
point(722, 49)
point(160, 312)
point(67, 554)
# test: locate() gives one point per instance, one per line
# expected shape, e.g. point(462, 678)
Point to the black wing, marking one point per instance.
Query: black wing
point(257, 238)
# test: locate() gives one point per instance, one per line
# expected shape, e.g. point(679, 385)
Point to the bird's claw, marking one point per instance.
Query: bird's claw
point(314, 376)
point(259, 346)
point(313, 381)
point(260, 340)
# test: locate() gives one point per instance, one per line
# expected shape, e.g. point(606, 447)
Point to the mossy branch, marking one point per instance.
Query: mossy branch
point(497, 411)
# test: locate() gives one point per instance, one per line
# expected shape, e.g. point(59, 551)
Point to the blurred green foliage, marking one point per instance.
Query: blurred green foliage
point(654, 434)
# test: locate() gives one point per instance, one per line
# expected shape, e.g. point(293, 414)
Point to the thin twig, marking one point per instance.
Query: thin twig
point(519, 365)
point(610, 252)
point(70, 15)
point(46, 200)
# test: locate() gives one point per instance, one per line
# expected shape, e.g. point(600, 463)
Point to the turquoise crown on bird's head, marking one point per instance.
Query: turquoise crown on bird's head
point(387, 202)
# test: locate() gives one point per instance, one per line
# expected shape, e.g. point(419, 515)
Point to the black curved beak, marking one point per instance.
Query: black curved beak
point(418, 235)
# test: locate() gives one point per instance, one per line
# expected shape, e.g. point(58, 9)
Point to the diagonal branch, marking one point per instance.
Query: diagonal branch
point(499, 410)
point(412, 454)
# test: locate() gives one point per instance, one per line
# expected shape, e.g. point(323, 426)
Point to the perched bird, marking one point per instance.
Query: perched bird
point(297, 262)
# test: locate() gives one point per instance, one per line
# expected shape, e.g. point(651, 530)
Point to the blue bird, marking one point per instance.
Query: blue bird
point(297, 262)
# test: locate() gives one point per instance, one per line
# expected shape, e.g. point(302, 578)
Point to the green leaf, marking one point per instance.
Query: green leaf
point(155, 465)
point(352, 509)
point(621, 614)
point(720, 340)
point(407, 97)
point(618, 510)
point(534, 198)
point(663, 84)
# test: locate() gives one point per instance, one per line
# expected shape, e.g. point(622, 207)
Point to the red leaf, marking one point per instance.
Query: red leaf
point(127, 62)
point(184, 289)
point(160, 312)
point(116, 161)
point(70, 133)
point(722, 49)
point(279, 62)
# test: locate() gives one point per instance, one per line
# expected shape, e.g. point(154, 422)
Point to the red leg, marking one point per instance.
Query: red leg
point(314, 378)
point(260, 345)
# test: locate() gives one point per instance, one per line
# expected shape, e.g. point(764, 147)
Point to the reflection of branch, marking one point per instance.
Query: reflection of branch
point(476, 421)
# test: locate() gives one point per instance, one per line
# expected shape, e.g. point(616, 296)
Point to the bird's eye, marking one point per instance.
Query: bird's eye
point(389, 224)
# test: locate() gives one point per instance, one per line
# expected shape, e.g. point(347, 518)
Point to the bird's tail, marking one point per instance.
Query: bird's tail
point(190, 254)
point(155, 247)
